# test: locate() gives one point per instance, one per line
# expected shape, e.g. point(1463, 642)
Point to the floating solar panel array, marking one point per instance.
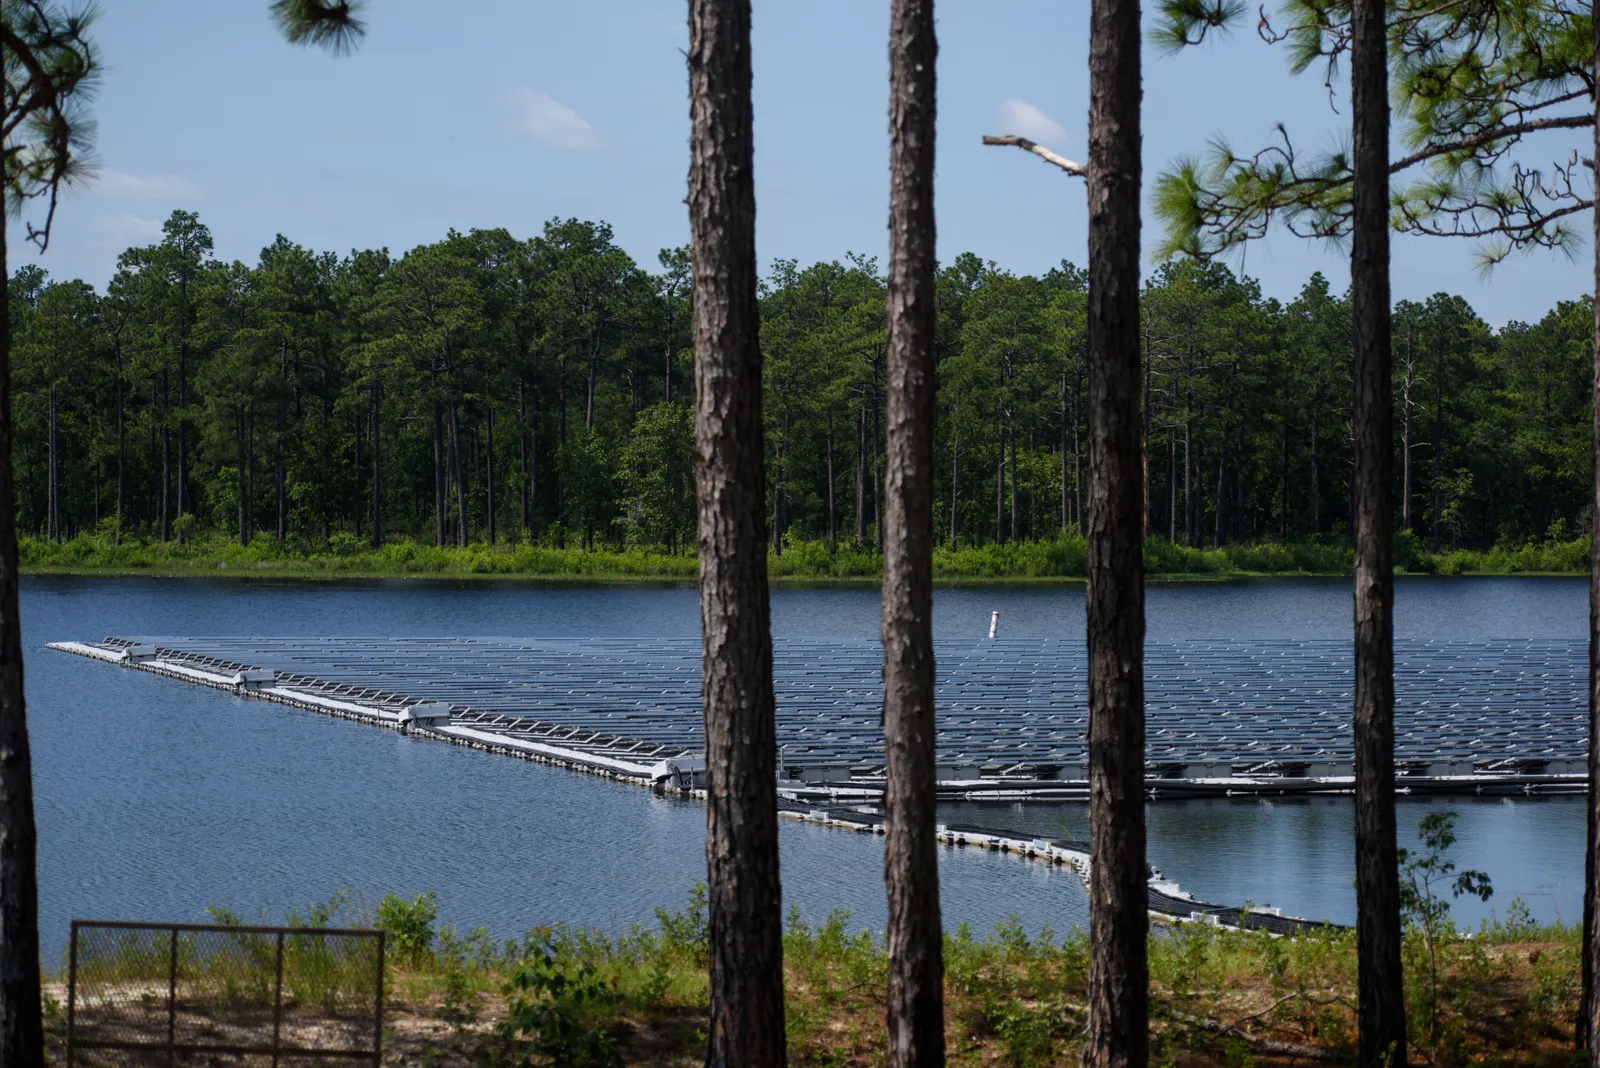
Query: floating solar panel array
point(1005, 707)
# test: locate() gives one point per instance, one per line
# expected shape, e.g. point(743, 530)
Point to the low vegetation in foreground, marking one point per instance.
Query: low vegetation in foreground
point(1504, 994)
point(1058, 559)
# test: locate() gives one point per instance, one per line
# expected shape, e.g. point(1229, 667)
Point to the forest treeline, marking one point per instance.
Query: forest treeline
point(487, 389)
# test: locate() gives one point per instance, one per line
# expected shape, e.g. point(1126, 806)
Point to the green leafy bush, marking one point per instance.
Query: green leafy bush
point(408, 925)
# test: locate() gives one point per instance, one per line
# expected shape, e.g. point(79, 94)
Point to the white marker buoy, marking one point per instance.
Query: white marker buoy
point(994, 623)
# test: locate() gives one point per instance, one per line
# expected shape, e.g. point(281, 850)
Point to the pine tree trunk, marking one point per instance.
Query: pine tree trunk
point(488, 470)
point(438, 475)
point(282, 488)
point(1219, 532)
point(377, 466)
point(1144, 449)
point(915, 1007)
point(1065, 512)
point(1283, 479)
point(1118, 993)
point(152, 490)
point(1316, 461)
point(776, 529)
point(166, 467)
point(877, 465)
point(457, 472)
point(746, 1026)
point(1438, 441)
point(1077, 457)
point(1011, 439)
point(1588, 1022)
point(1405, 454)
point(122, 451)
point(522, 451)
point(1000, 496)
point(21, 1030)
point(1241, 491)
point(1172, 487)
point(955, 483)
point(1381, 998)
point(183, 434)
point(250, 490)
point(52, 480)
point(833, 513)
point(861, 476)
point(533, 464)
point(238, 450)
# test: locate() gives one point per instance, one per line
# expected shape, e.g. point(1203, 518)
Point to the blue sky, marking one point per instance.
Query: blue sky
point(510, 112)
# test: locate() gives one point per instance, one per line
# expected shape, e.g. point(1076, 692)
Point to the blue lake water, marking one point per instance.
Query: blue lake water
point(157, 799)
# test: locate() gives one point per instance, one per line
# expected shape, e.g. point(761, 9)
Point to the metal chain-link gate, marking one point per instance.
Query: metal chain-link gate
point(165, 994)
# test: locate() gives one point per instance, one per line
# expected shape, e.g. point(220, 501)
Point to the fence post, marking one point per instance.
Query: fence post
point(172, 1002)
point(377, 1031)
point(72, 989)
point(277, 1003)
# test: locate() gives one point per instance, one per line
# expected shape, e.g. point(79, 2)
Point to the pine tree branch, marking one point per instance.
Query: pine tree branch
point(1076, 169)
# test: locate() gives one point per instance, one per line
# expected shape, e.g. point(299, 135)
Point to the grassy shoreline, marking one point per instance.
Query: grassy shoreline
point(560, 995)
point(1058, 562)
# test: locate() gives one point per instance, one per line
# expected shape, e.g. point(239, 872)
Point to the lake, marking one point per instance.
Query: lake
point(156, 799)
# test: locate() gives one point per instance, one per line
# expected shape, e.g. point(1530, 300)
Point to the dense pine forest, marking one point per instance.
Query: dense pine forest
point(486, 390)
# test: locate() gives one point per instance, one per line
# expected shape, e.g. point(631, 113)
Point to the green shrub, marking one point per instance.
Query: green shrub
point(557, 1007)
point(408, 925)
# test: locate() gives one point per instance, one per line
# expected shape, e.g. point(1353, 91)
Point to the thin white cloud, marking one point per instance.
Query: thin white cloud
point(126, 186)
point(1021, 117)
point(540, 116)
point(124, 231)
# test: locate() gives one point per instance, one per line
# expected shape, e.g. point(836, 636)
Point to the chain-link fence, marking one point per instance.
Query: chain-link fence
point(166, 995)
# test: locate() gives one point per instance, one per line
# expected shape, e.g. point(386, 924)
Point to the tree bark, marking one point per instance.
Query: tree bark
point(1381, 1001)
point(1172, 486)
point(122, 448)
point(522, 452)
point(438, 475)
point(377, 465)
point(833, 513)
point(1011, 441)
point(1144, 447)
point(282, 487)
point(915, 1004)
point(746, 1028)
point(1316, 461)
point(488, 471)
point(533, 464)
point(1118, 898)
point(458, 473)
point(1219, 533)
point(238, 450)
point(1077, 457)
point(166, 464)
point(1589, 1006)
point(250, 454)
point(955, 482)
point(21, 1027)
point(1405, 446)
point(1438, 440)
point(1066, 512)
point(52, 474)
point(861, 476)
point(183, 420)
point(877, 464)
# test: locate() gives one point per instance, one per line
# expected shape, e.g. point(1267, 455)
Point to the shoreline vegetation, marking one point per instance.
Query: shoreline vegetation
point(1055, 560)
point(1505, 993)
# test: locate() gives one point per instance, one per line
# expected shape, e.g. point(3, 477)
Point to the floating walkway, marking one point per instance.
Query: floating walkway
point(1223, 718)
